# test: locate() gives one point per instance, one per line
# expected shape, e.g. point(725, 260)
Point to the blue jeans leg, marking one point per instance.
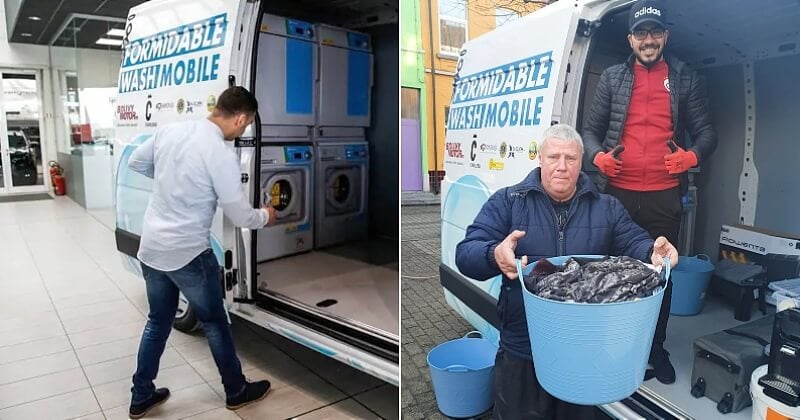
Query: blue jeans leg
point(201, 284)
point(162, 296)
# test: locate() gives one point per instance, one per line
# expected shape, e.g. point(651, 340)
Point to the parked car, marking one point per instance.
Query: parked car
point(23, 159)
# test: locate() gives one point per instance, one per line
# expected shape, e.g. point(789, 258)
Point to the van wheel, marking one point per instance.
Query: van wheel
point(185, 319)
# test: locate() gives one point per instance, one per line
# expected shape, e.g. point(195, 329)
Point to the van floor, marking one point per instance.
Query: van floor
point(362, 278)
point(681, 333)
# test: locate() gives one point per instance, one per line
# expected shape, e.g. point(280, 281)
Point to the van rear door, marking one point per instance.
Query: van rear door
point(508, 88)
point(176, 59)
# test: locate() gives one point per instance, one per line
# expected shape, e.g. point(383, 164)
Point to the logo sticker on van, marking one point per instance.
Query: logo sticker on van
point(496, 165)
point(211, 102)
point(533, 150)
point(162, 49)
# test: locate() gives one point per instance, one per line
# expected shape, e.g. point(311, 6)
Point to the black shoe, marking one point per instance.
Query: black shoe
point(140, 410)
point(254, 391)
point(662, 368)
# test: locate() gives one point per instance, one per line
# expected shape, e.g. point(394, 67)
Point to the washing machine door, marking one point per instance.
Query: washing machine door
point(283, 190)
point(342, 190)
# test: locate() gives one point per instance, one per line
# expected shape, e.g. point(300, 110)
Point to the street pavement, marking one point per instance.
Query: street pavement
point(426, 319)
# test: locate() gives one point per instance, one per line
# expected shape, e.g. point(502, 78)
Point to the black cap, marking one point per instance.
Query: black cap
point(647, 11)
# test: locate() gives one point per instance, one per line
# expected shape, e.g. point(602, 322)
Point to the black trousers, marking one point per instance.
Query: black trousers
point(518, 395)
point(659, 213)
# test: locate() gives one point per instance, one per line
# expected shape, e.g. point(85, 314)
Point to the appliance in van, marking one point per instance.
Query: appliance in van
point(345, 78)
point(286, 174)
point(285, 84)
point(341, 192)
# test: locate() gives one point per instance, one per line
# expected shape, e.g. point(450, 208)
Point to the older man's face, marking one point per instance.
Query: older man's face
point(560, 161)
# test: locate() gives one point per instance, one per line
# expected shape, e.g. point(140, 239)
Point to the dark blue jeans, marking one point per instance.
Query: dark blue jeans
point(200, 283)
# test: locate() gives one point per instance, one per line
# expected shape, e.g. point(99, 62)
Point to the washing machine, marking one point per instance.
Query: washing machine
point(287, 173)
point(345, 77)
point(341, 192)
point(285, 82)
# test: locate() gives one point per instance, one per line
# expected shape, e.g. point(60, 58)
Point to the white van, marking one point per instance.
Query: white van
point(177, 57)
point(515, 81)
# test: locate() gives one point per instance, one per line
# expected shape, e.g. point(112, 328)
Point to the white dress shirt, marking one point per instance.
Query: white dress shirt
point(192, 169)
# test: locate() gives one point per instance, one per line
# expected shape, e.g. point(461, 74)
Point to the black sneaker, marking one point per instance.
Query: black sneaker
point(254, 391)
point(140, 410)
point(662, 368)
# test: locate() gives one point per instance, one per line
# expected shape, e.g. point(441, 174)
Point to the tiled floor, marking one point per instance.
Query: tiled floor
point(70, 321)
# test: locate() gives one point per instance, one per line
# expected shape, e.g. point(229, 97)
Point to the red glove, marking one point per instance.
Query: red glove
point(679, 161)
point(609, 163)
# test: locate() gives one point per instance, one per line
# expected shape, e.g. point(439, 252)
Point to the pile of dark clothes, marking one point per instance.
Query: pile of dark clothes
point(615, 279)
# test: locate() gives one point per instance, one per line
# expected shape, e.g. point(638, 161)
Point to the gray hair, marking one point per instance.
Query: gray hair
point(562, 132)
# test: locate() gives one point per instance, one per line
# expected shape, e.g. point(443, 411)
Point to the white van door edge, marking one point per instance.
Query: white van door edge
point(365, 361)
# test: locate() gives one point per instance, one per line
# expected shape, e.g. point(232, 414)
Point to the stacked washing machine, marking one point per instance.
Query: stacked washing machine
point(285, 86)
point(342, 153)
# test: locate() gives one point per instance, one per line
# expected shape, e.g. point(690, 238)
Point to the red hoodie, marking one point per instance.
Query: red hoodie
point(648, 126)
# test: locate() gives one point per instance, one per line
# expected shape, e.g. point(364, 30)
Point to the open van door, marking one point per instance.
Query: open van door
point(176, 58)
point(507, 91)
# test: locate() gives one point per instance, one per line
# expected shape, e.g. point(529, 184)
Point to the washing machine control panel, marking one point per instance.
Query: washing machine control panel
point(299, 29)
point(356, 152)
point(298, 154)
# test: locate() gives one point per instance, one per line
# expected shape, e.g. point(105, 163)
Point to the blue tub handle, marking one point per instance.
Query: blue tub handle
point(457, 368)
point(668, 265)
point(467, 335)
point(703, 257)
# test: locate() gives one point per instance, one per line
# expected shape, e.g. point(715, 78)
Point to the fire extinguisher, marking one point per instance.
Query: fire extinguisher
point(57, 179)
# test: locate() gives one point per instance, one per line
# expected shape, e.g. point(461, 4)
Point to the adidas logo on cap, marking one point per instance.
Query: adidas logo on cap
point(647, 11)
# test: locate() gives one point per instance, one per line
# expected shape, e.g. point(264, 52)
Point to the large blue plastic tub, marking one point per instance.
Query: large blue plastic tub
point(690, 279)
point(590, 353)
point(462, 375)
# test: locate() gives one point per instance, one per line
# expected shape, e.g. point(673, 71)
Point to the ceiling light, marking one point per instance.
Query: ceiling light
point(34, 18)
point(109, 41)
point(26, 34)
point(116, 32)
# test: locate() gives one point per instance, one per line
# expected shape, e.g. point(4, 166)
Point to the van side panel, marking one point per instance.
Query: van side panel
point(503, 99)
point(175, 61)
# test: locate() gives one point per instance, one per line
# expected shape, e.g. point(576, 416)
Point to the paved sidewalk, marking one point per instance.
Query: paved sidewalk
point(419, 198)
point(426, 318)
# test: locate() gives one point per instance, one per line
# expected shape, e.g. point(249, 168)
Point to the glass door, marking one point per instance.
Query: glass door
point(21, 145)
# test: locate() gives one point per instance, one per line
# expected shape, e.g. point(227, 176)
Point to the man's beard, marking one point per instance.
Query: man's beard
point(656, 59)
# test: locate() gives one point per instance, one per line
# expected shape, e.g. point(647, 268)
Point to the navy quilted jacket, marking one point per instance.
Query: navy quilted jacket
point(602, 129)
point(596, 224)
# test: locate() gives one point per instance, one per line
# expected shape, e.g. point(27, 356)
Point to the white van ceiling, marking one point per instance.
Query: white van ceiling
point(346, 13)
point(717, 32)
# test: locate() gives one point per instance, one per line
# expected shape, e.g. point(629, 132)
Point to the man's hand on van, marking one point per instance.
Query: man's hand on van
point(662, 248)
point(504, 254)
point(609, 163)
point(271, 216)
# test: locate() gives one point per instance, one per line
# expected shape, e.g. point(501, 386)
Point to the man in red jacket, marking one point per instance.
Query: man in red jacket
point(635, 135)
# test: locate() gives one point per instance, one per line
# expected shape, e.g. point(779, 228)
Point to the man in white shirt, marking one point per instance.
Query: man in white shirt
point(192, 170)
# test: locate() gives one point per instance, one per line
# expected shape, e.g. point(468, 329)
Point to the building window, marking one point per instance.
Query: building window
point(504, 15)
point(452, 26)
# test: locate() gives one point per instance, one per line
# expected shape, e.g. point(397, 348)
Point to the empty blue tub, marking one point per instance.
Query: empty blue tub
point(590, 353)
point(690, 279)
point(462, 375)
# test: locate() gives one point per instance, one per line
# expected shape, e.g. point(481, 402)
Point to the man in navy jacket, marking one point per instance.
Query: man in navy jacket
point(555, 211)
